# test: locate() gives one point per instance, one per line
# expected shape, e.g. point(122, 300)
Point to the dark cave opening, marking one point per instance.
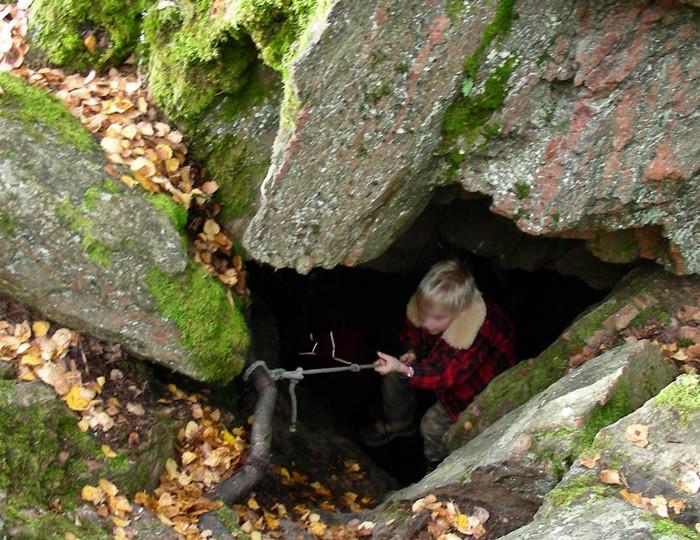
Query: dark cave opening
point(364, 310)
point(543, 283)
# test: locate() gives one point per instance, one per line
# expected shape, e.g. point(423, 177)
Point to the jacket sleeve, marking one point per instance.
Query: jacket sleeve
point(445, 368)
point(410, 337)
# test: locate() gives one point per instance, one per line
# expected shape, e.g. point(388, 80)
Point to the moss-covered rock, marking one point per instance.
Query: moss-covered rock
point(212, 330)
point(83, 34)
point(97, 257)
point(32, 106)
point(662, 469)
point(45, 460)
point(219, 74)
point(648, 291)
point(194, 50)
point(234, 139)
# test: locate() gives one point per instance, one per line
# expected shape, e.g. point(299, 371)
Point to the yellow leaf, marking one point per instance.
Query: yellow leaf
point(128, 180)
point(79, 398)
point(31, 359)
point(191, 429)
point(164, 151)
point(107, 451)
point(40, 328)
point(90, 43)
point(271, 520)
point(637, 434)
point(171, 467)
point(92, 494)
point(108, 487)
point(143, 166)
point(27, 376)
point(120, 522)
point(188, 457)
point(84, 425)
point(253, 504)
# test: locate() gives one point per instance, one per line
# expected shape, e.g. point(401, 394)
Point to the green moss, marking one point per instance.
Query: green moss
point(192, 54)
point(543, 57)
point(90, 197)
point(230, 520)
point(619, 406)
point(496, 29)
point(465, 119)
point(234, 164)
point(31, 469)
point(110, 186)
point(58, 27)
point(176, 214)
point(7, 223)
point(76, 221)
point(683, 396)
point(275, 26)
point(454, 9)
point(21, 101)
point(658, 314)
point(671, 529)
point(522, 190)
point(378, 93)
point(211, 328)
point(565, 493)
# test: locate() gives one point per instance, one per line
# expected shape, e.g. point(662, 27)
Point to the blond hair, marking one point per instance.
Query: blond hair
point(448, 286)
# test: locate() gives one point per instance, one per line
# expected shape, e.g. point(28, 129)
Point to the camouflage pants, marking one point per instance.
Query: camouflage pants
point(399, 407)
point(433, 427)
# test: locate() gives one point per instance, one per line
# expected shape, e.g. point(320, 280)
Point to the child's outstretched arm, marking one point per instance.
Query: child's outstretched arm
point(386, 364)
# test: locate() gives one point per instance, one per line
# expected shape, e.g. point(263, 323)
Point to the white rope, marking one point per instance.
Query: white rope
point(297, 375)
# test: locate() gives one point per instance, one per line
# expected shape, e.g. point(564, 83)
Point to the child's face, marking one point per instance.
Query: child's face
point(435, 319)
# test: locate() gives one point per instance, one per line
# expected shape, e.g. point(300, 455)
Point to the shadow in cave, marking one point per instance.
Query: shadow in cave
point(364, 310)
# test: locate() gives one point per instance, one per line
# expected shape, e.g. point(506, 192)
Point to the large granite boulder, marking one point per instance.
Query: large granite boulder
point(645, 304)
point(655, 489)
point(529, 449)
point(96, 257)
point(578, 119)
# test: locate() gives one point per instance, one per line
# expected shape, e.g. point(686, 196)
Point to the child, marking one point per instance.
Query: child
point(453, 342)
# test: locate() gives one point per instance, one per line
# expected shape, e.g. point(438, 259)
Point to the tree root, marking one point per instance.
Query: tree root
point(256, 462)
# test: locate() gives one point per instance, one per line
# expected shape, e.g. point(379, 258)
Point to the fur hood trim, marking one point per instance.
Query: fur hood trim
point(463, 330)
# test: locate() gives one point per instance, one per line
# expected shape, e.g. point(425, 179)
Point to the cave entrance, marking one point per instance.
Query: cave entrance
point(364, 307)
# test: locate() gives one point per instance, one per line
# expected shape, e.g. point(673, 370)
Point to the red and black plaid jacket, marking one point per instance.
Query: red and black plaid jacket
point(457, 375)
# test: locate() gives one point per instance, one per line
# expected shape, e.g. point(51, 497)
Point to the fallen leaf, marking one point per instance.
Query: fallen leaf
point(40, 328)
point(610, 476)
point(637, 434)
point(108, 452)
point(79, 398)
point(590, 461)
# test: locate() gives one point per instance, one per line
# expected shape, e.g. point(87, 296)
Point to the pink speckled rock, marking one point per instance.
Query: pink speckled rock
point(597, 137)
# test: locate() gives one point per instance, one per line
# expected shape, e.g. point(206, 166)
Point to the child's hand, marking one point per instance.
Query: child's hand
point(386, 364)
point(408, 358)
